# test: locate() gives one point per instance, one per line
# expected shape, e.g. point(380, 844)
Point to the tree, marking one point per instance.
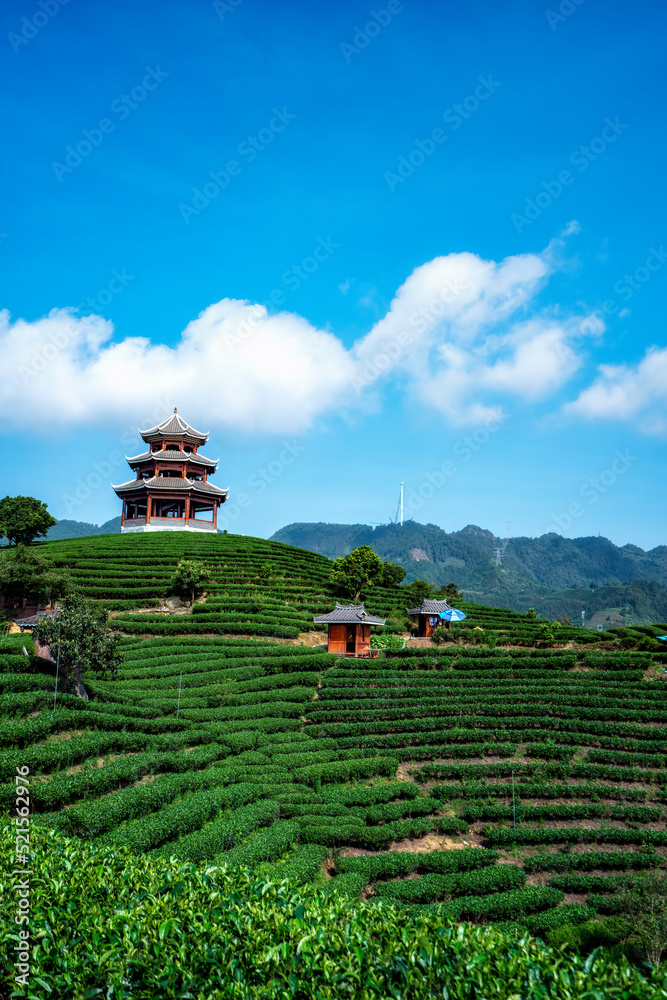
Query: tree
point(417, 591)
point(451, 592)
point(23, 519)
point(420, 590)
point(644, 902)
point(392, 575)
point(79, 632)
point(356, 570)
point(25, 574)
point(190, 578)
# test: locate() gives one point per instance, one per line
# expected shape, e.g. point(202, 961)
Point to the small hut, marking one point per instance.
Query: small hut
point(427, 615)
point(349, 629)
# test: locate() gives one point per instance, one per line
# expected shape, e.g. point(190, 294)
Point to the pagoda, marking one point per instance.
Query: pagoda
point(171, 489)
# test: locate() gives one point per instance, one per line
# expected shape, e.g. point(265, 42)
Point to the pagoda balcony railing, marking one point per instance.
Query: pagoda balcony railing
point(169, 522)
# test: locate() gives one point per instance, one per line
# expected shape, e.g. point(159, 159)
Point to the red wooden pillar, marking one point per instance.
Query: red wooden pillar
point(215, 516)
point(124, 514)
point(187, 510)
point(148, 510)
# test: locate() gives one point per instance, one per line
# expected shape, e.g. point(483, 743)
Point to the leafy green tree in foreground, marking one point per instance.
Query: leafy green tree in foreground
point(362, 567)
point(189, 579)
point(24, 573)
point(23, 519)
point(644, 903)
point(80, 632)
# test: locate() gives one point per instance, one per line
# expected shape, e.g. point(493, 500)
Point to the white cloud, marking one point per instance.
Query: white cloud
point(235, 366)
point(461, 334)
point(636, 393)
point(457, 337)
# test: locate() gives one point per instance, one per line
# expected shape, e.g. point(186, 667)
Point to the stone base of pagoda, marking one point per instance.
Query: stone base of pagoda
point(166, 524)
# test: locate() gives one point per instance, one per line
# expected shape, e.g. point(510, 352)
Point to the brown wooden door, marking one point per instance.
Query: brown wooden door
point(337, 639)
point(351, 639)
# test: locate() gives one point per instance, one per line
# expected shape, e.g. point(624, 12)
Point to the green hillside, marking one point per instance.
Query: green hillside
point(228, 740)
point(557, 576)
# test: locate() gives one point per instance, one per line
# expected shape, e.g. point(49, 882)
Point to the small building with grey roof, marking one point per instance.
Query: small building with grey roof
point(427, 615)
point(349, 629)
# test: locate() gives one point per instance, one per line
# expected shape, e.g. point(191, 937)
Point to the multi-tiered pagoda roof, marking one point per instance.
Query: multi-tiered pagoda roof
point(171, 489)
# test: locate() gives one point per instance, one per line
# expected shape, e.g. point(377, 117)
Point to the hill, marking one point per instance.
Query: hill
point(380, 788)
point(81, 529)
point(77, 529)
point(557, 576)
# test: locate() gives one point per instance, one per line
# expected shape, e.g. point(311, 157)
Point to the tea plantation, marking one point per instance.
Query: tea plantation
point(502, 784)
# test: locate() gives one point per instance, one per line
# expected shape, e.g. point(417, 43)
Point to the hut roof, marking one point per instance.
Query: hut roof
point(349, 614)
point(33, 619)
point(430, 608)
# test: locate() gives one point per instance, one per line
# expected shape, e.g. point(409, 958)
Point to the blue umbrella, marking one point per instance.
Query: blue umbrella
point(663, 637)
point(452, 615)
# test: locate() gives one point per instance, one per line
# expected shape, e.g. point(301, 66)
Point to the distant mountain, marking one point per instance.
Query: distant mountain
point(555, 575)
point(79, 529)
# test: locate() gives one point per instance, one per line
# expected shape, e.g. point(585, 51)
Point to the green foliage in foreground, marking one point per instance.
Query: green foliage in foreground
point(189, 579)
point(80, 634)
point(23, 519)
point(118, 925)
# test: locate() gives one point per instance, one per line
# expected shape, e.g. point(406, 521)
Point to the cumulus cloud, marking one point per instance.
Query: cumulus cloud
point(636, 393)
point(462, 335)
point(235, 366)
point(457, 336)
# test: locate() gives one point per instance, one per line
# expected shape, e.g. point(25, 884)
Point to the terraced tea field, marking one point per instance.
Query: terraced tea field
point(495, 784)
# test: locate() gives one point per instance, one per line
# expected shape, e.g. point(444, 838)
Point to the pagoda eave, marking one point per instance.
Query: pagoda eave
point(178, 488)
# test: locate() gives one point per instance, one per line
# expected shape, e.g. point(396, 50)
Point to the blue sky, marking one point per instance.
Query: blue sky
point(420, 244)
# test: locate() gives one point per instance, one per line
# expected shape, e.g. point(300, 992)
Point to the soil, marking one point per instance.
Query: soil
point(59, 737)
point(404, 774)
point(328, 868)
